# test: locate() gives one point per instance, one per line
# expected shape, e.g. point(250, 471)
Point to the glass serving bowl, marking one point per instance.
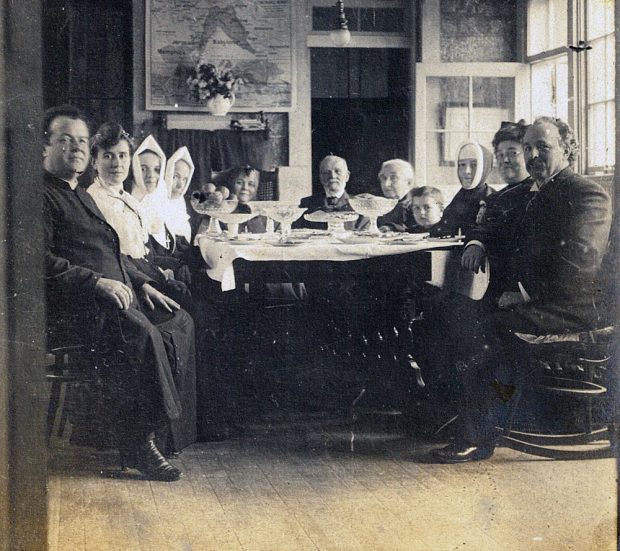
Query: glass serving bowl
point(285, 215)
point(372, 206)
point(265, 208)
point(232, 219)
point(213, 210)
point(335, 220)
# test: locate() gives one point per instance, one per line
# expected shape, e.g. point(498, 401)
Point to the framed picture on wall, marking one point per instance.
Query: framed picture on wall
point(253, 40)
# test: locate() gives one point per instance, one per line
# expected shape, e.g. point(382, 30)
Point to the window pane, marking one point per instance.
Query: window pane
point(596, 63)
point(610, 160)
point(600, 18)
point(596, 135)
point(443, 93)
point(550, 88)
point(536, 26)
point(483, 30)
point(440, 155)
point(557, 24)
point(610, 67)
point(382, 20)
point(493, 101)
point(547, 25)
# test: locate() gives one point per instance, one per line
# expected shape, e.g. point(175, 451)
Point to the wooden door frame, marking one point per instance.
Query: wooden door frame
point(23, 396)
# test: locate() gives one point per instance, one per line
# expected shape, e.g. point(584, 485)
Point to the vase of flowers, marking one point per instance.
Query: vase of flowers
point(213, 87)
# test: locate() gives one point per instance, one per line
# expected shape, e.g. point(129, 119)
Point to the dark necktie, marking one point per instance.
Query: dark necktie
point(331, 201)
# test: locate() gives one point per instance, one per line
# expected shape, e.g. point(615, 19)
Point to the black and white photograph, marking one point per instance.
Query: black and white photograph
point(289, 275)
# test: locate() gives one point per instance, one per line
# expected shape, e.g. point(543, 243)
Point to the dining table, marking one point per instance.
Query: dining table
point(311, 246)
point(345, 324)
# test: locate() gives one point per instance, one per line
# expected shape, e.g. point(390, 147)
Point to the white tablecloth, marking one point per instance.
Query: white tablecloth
point(220, 254)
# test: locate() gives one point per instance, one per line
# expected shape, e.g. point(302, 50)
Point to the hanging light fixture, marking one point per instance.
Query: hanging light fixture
point(341, 35)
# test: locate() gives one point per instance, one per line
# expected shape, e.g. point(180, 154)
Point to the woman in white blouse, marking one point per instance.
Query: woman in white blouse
point(111, 150)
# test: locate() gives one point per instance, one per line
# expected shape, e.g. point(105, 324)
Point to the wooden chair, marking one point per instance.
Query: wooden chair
point(68, 365)
point(577, 369)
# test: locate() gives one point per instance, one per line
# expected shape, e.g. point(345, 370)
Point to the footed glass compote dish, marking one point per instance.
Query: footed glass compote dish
point(335, 220)
point(232, 220)
point(265, 208)
point(214, 209)
point(285, 215)
point(372, 206)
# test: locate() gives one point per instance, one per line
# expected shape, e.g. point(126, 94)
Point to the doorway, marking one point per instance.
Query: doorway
point(360, 110)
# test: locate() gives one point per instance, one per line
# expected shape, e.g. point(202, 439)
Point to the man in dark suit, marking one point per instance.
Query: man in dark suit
point(334, 175)
point(92, 296)
point(550, 288)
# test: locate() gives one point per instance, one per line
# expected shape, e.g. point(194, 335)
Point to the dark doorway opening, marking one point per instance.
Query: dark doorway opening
point(360, 110)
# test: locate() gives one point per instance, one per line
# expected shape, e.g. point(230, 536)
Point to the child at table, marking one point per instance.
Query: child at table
point(474, 163)
point(427, 205)
point(244, 183)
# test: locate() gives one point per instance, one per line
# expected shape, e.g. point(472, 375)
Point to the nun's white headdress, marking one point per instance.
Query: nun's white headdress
point(154, 204)
point(177, 218)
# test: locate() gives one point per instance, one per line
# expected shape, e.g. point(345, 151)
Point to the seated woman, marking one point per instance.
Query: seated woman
point(111, 149)
point(244, 183)
point(397, 180)
point(474, 163)
point(151, 191)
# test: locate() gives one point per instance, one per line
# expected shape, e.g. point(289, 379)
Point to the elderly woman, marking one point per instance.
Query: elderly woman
point(111, 149)
point(397, 179)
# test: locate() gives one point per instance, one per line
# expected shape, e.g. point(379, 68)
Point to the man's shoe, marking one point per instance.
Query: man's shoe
point(150, 462)
point(463, 453)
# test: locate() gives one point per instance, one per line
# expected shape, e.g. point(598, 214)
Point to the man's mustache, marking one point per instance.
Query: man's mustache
point(535, 164)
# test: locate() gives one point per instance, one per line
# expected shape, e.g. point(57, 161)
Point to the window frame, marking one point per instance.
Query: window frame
point(518, 71)
point(578, 106)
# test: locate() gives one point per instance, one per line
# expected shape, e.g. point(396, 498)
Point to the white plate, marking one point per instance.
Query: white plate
point(454, 239)
point(356, 240)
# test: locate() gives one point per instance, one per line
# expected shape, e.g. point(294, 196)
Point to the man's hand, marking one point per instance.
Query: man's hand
point(116, 291)
point(473, 258)
point(153, 297)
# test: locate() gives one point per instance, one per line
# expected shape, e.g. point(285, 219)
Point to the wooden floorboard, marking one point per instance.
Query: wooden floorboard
point(293, 484)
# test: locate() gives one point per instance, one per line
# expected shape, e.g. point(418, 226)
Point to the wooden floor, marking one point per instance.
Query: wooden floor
point(296, 485)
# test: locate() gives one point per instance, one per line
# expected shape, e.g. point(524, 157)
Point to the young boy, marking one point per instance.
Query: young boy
point(427, 207)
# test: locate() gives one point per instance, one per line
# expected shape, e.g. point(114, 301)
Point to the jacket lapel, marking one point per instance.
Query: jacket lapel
point(89, 203)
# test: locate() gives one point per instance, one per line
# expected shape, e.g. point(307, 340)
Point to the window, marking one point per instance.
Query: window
point(583, 72)
point(549, 81)
point(547, 25)
point(600, 70)
point(459, 101)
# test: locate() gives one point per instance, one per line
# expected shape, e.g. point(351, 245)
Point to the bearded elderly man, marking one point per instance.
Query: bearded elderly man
point(559, 244)
point(92, 297)
point(334, 175)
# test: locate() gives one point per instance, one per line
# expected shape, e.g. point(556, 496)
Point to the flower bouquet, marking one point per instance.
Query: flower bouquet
point(213, 87)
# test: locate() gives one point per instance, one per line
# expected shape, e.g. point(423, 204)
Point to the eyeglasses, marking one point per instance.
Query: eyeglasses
point(512, 155)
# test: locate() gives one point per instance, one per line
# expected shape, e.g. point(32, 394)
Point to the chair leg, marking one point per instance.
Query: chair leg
point(52, 410)
point(62, 423)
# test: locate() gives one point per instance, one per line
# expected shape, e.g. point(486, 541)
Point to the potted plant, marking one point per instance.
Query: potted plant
point(213, 87)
